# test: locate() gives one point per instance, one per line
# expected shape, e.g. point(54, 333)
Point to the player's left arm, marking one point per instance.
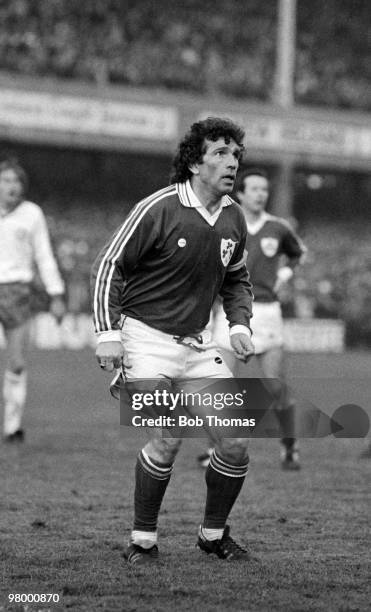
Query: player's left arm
point(47, 266)
point(237, 297)
point(294, 250)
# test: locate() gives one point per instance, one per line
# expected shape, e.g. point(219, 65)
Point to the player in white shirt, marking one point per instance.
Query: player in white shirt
point(24, 246)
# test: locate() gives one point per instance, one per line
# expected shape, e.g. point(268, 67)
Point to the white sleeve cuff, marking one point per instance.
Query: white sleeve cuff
point(240, 329)
point(59, 294)
point(112, 335)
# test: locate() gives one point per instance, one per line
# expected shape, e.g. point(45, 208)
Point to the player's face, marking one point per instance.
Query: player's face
point(217, 172)
point(11, 188)
point(255, 194)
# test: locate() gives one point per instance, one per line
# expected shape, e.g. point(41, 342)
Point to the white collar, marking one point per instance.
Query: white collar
point(255, 227)
point(188, 197)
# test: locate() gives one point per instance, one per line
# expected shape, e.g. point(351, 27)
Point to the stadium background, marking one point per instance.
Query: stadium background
point(95, 95)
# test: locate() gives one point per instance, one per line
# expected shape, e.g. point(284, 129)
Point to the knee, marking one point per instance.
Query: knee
point(234, 450)
point(16, 365)
point(163, 449)
point(276, 388)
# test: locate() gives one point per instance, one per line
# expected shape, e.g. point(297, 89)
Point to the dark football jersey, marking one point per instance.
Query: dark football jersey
point(265, 244)
point(167, 263)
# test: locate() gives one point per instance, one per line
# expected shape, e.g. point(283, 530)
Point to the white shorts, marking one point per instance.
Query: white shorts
point(153, 354)
point(266, 324)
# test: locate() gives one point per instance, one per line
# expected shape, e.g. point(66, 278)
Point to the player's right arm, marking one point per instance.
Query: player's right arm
point(111, 269)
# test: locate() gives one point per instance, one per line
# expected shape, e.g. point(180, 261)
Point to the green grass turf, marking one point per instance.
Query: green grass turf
point(66, 509)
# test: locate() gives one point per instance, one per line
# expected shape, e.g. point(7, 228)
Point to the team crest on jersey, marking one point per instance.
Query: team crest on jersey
point(269, 246)
point(227, 248)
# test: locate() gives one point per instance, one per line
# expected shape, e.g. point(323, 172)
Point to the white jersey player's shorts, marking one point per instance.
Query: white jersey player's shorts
point(266, 325)
point(15, 307)
point(151, 353)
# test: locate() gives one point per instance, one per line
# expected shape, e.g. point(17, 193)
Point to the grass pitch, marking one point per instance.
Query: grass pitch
point(66, 507)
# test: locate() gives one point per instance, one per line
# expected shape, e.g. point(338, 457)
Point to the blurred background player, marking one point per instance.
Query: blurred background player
point(24, 245)
point(269, 240)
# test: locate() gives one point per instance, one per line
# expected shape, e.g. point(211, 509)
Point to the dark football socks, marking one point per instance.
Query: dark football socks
point(286, 419)
point(224, 482)
point(151, 480)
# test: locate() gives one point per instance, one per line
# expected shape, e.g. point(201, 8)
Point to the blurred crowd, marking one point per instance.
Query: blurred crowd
point(209, 47)
point(335, 278)
point(77, 236)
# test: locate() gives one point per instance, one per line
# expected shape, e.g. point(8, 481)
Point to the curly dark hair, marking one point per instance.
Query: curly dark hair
point(192, 148)
point(12, 164)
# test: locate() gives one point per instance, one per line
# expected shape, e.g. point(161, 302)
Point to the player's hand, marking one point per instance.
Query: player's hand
point(242, 346)
point(284, 274)
point(57, 308)
point(110, 355)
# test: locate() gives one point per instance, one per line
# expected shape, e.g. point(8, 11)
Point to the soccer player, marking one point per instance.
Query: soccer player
point(160, 274)
point(269, 239)
point(24, 244)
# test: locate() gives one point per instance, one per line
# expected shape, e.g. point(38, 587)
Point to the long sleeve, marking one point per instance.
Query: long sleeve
point(292, 246)
point(44, 257)
point(113, 267)
point(237, 290)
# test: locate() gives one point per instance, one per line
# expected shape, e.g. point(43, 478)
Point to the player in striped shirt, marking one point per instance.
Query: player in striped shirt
point(269, 239)
point(153, 288)
point(24, 245)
